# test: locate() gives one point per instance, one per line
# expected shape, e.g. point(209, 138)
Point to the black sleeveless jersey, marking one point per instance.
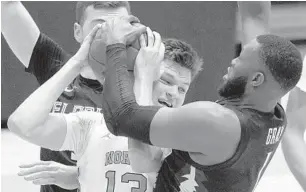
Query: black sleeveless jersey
point(260, 135)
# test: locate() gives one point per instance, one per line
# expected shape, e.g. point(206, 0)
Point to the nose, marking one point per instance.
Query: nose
point(172, 92)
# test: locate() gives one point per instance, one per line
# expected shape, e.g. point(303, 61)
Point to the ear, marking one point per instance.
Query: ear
point(257, 79)
point(78, 32)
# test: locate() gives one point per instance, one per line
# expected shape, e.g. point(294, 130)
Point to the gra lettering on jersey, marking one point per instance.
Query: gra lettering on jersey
point(62, 107)
point(117, 157)
point(274, 135)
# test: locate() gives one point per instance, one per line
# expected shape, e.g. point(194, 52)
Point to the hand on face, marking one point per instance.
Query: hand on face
point(150, 56)
point(82, 55)
point(123, 29)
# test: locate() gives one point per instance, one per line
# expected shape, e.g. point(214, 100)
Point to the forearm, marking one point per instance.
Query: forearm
point(295, 155)
point(123, 115)
point(34, 111)
point(143, 91)
point(255, 19)
point(143, 157)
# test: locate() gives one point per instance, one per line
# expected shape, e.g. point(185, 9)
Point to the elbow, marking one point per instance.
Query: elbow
point(121, 118)
point(13, 124)
point(19, 126)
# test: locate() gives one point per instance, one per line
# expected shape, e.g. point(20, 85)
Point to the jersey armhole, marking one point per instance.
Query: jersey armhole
point(242, 145)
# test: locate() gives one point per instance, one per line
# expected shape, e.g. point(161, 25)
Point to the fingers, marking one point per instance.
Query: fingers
point(142, 41)
point(138, 31)
point(34, 164)
point(36, 169)
point(150, 37)
point(40, 175)
point(132, 19)
point(161, 50)
point(91, 36)
point(157, 41)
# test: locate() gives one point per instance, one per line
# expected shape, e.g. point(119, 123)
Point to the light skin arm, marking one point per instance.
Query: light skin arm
point(32, 120)
point(293, 144)
point(144, 158)
point(255, 19)
point(19, 30)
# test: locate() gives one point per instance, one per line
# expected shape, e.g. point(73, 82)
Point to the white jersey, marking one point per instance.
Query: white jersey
point(102, 158)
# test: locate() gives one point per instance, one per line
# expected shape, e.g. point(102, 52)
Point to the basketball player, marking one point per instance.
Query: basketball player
point(83, 132)
point(254, 20)
point(217, 146)
point(293, 144)
point(43, 57)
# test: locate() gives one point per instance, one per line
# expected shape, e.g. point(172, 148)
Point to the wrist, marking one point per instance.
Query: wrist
point(76, 64)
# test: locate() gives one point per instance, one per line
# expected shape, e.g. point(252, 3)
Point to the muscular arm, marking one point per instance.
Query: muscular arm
point(166, 127)
point(293, 144)
point(19, 30)
point(255, 19)
point(33, 121)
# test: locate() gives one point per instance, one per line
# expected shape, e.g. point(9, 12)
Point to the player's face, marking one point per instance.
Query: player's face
point(92, 17)
point(170, 90)
point(241, 72)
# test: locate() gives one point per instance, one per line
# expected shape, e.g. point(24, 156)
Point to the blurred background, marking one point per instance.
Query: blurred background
point(210, 27)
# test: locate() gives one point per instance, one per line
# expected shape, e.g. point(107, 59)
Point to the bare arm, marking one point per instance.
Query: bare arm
point(293, 144)
point(144, 158)
point(19, 30)
point(255, 19)
point(33, 121)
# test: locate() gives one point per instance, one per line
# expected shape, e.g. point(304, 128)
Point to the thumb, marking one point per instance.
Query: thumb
point(138, 30)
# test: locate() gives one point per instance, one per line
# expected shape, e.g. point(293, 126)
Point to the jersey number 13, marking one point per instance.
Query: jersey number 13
point(126, 178)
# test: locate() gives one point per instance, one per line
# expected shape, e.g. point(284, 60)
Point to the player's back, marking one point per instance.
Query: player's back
point(260, 136)
point(104, 164)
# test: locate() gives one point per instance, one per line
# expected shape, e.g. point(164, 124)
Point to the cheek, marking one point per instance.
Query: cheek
point(97, 68)
point(179, 101)
point(86, 29)
point(158, 89)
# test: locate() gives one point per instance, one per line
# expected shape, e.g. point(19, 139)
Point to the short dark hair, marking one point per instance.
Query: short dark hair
point(183, 54)
point(82, 5)
point(282, 58)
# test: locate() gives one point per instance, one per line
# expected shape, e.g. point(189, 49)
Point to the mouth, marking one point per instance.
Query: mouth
point(164, 103)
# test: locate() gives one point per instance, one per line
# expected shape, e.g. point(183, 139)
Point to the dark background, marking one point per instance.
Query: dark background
point(208, 26)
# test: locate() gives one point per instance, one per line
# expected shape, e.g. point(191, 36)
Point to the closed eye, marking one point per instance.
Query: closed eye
point(165, 81)
point(182, 90)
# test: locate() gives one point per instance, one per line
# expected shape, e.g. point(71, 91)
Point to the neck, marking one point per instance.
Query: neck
point(260, 103)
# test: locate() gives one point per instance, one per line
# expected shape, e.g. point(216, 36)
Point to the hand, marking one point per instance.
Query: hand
point(51, 173)
point(149, 58)
point(124, 29)
point(82, 55)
